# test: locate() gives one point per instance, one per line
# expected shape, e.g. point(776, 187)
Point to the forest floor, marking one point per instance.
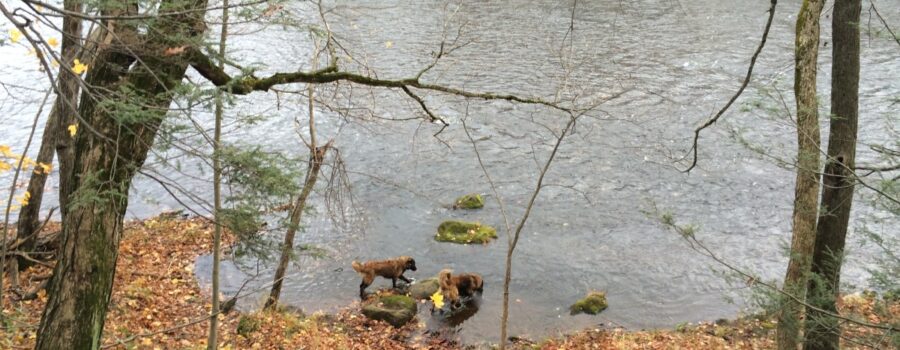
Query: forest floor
point(158, 304)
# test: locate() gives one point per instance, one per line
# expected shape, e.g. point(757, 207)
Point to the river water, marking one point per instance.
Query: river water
point(677, 62)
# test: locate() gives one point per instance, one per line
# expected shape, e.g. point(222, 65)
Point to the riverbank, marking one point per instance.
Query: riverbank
point(157, 304)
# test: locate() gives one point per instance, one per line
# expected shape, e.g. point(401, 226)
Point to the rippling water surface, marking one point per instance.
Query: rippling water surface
point(676, 61)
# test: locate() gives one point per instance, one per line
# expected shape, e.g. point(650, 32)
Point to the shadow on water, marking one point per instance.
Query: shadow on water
point(446, 323)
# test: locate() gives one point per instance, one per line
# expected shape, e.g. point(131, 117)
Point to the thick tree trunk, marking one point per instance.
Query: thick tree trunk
point(63, 114)
point(108, 151)
point(287, 249)
point(806, 193)
point(838, 181)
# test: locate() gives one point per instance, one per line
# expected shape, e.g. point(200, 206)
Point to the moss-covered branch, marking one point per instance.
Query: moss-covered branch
point(245, 85)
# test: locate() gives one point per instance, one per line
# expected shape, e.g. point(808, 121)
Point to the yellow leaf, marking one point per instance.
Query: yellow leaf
point(45, 167)
point(23, 199)
point(79, 67)
point(73, 129)
point(52, 42)
point(54, 63)
point(15, 35)
point(6, 151)
point(389, 44)
point(438, 299)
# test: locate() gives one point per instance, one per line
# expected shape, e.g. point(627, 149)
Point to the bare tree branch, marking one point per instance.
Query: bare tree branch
point(714, 119)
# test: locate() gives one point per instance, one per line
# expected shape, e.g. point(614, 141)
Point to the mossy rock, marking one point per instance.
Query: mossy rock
point(424, 289)
point(247, 325)
point(394, 309)
point(592, 304)
point(464, 232)
point(469, 201)
point(892, 295)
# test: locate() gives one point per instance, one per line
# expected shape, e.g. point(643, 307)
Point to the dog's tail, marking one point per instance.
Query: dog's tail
point(357, 266)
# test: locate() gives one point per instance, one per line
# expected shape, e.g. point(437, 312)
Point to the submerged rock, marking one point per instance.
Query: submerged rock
point(592, 304)
point(394, 309)
point(469, 201)
point(464, 232)
point(422, 290)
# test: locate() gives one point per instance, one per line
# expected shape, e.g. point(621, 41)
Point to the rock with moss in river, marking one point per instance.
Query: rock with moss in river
point(469, 201)
point(592, 304)
point(465, 232)
point(422, 290)
point(397, 310)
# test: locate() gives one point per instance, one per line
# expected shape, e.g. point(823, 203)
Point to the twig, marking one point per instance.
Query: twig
point(886, 26)
point(699, 247)
point(12, 193)
point(746, 81)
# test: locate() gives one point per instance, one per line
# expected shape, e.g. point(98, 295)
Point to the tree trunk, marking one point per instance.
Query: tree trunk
point(212, 342)
point(63, 114)
point(806, 193)
point(287, 249)
point(838, 181)
point(108, 151)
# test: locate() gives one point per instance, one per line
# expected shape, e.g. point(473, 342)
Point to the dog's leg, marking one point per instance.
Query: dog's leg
point(366, 282)
point(362, 290)
point(394, 282)
point(407, 280)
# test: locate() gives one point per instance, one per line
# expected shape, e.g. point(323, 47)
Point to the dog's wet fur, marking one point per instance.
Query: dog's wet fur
point(461, 285)
point(390, 268)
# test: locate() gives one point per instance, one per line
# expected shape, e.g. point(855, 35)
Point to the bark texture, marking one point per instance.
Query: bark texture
point(806, 192)
point(287, 249)
point(838, 180)
point(108, 150)
point(62, 113)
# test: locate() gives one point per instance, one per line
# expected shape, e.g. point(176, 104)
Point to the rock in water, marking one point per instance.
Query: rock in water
point(422, 290)
point(464, 232)
point(469, 201)
point(592, 304)
point(394, 309)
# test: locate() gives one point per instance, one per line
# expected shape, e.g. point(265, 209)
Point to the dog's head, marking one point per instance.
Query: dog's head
point(409, 263)
point(477, 282)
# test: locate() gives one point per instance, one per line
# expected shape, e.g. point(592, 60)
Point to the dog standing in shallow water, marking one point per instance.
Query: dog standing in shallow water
point(391, 268)
point(464, 284)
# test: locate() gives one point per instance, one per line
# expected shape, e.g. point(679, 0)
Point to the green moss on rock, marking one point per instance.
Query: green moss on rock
point(469, 201)
point(464, 232)
point(424, 289)
point(396, 310)
point(592, 304)
point(247, 325)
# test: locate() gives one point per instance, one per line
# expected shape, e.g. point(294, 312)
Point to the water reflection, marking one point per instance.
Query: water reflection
point(446, 323)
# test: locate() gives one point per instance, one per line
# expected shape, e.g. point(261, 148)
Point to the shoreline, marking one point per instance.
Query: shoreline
point(158, 303)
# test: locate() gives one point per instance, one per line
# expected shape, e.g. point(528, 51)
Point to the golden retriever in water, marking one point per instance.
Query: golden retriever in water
point(464, 284)
point(390, 268)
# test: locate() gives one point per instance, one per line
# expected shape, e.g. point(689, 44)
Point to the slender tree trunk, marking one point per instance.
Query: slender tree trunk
point(108, 151)
point(62, 113)
point(838, 180)
point(806, 194)
point(67, 107)
point(287, 248)
point(212, 342)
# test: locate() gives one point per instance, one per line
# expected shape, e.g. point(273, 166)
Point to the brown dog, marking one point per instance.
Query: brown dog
point(464, 284)
point(391, 268)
